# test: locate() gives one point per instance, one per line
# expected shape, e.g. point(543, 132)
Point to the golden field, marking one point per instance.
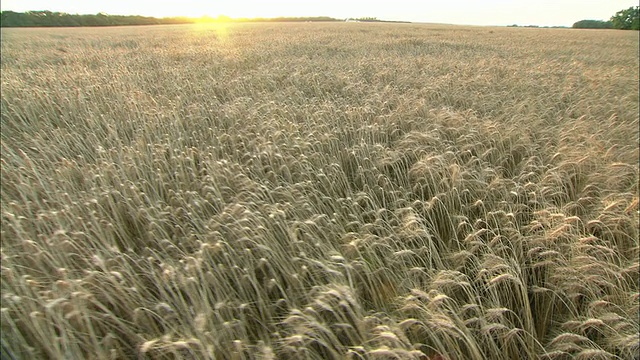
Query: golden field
point(319, 191)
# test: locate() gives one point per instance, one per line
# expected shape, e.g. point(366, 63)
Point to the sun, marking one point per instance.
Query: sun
point(206, 19)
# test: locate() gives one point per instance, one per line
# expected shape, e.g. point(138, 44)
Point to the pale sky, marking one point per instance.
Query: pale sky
point(469, 12)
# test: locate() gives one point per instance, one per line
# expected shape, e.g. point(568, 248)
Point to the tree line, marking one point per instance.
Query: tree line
point(627, 19)
point(50, 18)
point(54, 19)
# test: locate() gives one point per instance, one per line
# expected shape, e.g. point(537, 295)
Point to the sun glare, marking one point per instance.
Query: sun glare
point(206, 19)
point(220, 26)
point(253, 9)
point(219, 12)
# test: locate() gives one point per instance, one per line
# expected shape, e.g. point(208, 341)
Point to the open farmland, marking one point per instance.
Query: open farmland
point(319, 191)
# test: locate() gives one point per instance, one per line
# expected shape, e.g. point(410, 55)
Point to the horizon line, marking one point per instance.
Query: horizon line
point(225, 18)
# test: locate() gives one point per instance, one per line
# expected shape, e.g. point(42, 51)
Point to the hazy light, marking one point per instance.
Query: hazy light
point(472, 12)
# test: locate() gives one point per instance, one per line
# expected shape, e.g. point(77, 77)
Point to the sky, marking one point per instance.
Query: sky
point(464, 12)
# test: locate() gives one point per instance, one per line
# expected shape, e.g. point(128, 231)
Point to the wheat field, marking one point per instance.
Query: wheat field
point(319, 191)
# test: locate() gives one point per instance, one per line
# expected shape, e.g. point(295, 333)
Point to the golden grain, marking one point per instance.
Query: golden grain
point(319, 191)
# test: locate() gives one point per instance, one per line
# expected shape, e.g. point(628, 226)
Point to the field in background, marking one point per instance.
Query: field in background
point(320, 191)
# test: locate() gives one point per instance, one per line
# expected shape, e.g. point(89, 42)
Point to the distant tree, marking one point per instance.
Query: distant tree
point(628, 19)
point(12, 18)
point(593, 24)
point(49, 18)
point(368, 19)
